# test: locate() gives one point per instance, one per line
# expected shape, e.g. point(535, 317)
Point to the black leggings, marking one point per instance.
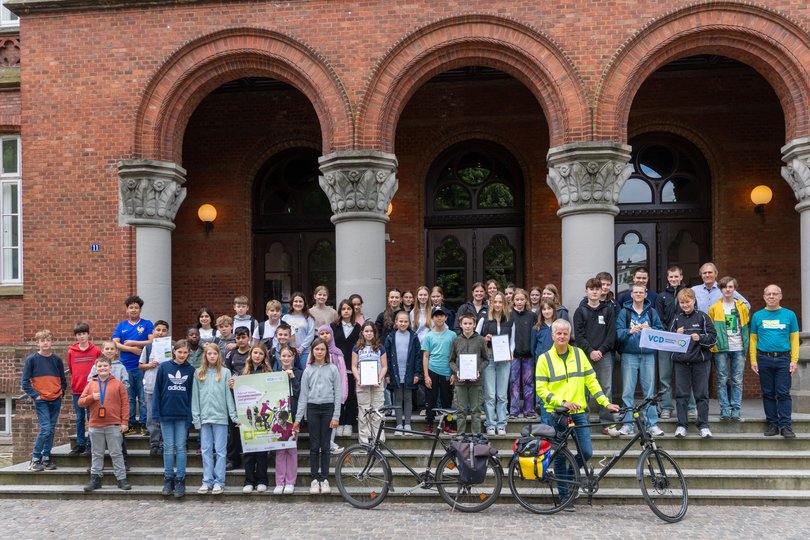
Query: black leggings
point(348, 411)
point(318, 417)
point(440, 395)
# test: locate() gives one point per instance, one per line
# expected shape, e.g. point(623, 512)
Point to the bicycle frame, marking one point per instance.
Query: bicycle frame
point(425, 480)
point(592, 481)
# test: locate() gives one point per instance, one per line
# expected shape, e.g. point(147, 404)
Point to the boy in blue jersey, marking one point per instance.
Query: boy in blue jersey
point(131, 336)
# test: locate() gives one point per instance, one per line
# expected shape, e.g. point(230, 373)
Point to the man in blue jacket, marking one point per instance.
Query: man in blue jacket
point(637, 362)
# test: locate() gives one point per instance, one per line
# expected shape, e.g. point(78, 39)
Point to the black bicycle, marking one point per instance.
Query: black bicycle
point(551, 490)
point(364, 476)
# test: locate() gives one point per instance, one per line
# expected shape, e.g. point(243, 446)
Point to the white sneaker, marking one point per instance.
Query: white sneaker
point(325, 487)
point(203, 489)
point(501, 431)
point(490, 431)
point(335, 449)
point(655, 431)
point(408, 427)
point(666, 414)
point(261, 488)
point(627, 430)
point(279, 490)
point(217, 490)
point(705, 433)
point(398, 433)
point(680, 432)
point(314, 487)
point(613, 431)
point(289, 489)
point(247, 489)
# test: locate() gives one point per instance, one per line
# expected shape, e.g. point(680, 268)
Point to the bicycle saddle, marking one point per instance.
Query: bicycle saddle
point(539, 430)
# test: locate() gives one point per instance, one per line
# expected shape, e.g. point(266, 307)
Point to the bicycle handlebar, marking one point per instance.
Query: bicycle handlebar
point(644, 404)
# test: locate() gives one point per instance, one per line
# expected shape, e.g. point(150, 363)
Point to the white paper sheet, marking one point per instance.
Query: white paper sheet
point(368, 373)
point(467, 367)
point(500, 348)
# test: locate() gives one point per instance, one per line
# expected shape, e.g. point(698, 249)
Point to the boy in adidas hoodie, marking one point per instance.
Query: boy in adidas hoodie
point(171, 408)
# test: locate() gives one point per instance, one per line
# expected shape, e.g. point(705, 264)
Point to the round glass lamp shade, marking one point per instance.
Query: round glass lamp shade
point(207, 213)
point(761, 195)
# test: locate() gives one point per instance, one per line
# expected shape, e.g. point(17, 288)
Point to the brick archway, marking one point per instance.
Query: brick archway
point(190, 74)
point(776, 47)
point(487, 40)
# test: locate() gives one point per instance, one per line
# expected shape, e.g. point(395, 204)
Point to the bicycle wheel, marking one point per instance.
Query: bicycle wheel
point(662, 484)
point(468, 497)
point(551, 493)
point(363, 476)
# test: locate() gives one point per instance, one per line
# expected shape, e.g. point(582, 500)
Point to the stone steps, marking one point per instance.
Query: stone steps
point(739, 465)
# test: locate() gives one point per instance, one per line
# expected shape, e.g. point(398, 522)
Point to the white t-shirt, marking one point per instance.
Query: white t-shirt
point(735, 342)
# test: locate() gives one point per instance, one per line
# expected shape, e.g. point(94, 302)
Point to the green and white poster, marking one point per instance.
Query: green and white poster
point(263, 406)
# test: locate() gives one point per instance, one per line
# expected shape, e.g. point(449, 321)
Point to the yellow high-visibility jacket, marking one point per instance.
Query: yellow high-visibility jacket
point(557, 380)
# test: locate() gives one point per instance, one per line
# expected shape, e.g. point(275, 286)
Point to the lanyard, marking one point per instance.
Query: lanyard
point(102, 390)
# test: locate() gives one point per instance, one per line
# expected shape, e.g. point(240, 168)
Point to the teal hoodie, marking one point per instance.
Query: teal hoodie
point(212, 400)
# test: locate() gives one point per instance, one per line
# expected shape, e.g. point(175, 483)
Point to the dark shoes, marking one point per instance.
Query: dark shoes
point(155, 451)
point(48, 465)
point(772, 431)
point(788, 433)
point(93, 484)
point(36, 465)
point(179, 487)
point(77, 451)
point(124, 484)
point(168, 486)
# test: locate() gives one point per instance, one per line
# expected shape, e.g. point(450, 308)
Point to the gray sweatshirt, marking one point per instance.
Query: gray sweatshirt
point(320, 384)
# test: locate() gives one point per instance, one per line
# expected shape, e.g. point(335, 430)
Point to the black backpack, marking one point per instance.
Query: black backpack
point(472, 454)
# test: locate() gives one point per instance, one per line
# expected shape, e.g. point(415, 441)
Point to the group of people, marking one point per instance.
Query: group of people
point(506, 350)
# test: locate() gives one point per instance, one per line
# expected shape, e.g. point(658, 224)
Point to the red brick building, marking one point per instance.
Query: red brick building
point(529, 141)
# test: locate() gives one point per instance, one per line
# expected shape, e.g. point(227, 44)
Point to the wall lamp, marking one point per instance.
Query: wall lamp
point(760, 196)
point(207, 214)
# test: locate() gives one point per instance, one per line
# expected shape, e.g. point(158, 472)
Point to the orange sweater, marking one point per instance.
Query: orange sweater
point(116, 403)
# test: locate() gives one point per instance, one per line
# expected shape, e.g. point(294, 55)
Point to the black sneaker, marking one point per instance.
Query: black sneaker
point(48, 465)
point(87, 451)
point(155, 451)
point(772, 431)
point(179, 487)
point(788, 433)
point(124, 484)
point(93, 484)
point(168, 486)
point(77, 451)
point(36, 465)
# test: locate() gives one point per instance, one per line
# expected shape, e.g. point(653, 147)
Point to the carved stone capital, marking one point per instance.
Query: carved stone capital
point(150, 192)
point(796, 172)
point(587, 177)
point(359, 183)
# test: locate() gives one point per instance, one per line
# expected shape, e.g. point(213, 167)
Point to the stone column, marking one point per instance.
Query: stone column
point(150, 192)
point(587, 177)
point(796, 155)
point(360, 184)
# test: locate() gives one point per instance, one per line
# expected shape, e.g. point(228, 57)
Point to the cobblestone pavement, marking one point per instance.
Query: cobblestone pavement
point(229, 519)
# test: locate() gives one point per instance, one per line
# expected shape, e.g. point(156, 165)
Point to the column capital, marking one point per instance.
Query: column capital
point(796, 172)
point(587, 176)
point(359, 183)
point(150, 192)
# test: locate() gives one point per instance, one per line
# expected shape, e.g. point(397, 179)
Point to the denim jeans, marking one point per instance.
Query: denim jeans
point(47, 416)
point(174, 442)
point(638, 367)
point(522, 385)
point(213, 440)
point(585, 449)
point(496, 386)
point(774, 380)
point(729, 365)
point(81, 417)
point(604, 374)
point(134, 391)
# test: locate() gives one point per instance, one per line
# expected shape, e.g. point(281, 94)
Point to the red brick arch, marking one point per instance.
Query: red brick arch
point(773, 45)
point(202, 65)
point(474, 39)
